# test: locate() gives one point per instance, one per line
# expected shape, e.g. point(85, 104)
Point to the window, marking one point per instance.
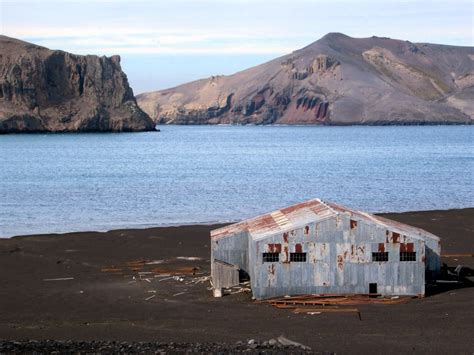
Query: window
point(380, 256)
point(408, 256)
point(353, 224)
point(298, 257)
point(271, 257)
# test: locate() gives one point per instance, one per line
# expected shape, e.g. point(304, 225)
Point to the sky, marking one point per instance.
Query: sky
point(164, 43)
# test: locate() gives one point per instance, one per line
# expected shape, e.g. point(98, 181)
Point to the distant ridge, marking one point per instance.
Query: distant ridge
point(42, 90)
point(337, 80)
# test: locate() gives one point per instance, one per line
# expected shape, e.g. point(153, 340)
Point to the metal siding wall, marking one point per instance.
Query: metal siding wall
point(339, 260)
point(232, 249)
point(224, 275)
point(433, 256)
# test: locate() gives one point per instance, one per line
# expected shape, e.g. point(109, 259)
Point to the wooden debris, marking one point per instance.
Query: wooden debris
point(149, 298)
point(320, 310)
point(326, 310)
point(189, 258)
point(198, 280)
point(135, 263)
point(240, 290)
point(60, 279)
point(324, 300)
point(284, 306)
point(176, 271)
point(166, 278)
point(155, 262)
point(111, 269)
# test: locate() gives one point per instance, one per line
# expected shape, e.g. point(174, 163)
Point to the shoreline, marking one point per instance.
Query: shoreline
point(120, 229)
point(212, 224)
point(330, 124)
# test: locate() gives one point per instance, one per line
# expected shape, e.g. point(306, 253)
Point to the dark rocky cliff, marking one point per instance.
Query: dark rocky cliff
point(336, 80)
point(54, 91)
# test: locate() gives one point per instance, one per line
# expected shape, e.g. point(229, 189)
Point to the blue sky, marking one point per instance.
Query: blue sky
point(165, 43)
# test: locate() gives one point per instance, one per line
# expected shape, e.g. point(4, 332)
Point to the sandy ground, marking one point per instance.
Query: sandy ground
point(106, 300)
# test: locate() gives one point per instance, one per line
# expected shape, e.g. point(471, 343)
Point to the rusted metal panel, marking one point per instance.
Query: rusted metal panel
point(338, 242)
point(353, 223)
point(298, 248)
point(395, 237)
point(312, 211)
point(406, 247)
point(274, 248)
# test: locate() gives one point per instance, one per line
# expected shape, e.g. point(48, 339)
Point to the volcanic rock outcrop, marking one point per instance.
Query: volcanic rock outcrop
point(54, 91)
point(337, 80)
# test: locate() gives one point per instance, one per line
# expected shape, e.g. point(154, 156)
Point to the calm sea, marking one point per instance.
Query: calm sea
point(201, 174)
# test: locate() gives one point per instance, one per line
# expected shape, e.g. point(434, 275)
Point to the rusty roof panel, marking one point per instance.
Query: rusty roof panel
point(307, 212)
point(279, 220)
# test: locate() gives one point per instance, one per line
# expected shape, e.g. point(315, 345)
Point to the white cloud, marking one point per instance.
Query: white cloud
point(233, 49)
point(121, 40)
point(208, 26)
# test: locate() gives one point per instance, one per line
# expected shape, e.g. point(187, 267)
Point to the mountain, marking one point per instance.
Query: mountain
point(336, 80)
point(42, 90)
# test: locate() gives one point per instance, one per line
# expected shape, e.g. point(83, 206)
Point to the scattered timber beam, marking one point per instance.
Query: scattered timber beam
point(458, 255)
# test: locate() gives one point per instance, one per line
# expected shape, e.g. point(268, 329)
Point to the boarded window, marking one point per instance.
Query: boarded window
point(353, 224)
point(298, 257)
point(408, 256)
point(271, 257)
point(274, 248)
point(406, 247)
point(395, 237)
point(380, 256)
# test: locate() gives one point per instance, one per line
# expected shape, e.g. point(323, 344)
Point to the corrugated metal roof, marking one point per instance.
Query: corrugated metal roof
point(307, 212)
point(385, 222)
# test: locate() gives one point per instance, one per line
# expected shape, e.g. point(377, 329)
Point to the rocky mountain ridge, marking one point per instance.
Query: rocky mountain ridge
point(44, 90)
point(337, 80)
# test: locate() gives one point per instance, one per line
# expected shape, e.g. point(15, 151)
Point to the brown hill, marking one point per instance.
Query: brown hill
point(336, 80)
point(54, 91)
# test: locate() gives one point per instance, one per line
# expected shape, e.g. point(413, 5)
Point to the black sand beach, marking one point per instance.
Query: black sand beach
point(87, 286)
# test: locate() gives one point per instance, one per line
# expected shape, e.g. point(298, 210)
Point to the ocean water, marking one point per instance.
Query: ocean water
point(202, 174)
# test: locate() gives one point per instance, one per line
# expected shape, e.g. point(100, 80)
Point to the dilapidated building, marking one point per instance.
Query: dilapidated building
point(318, 247)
